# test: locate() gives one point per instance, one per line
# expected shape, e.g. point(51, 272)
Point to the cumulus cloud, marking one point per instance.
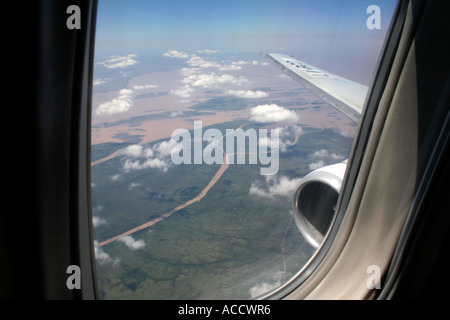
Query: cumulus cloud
point(316, 165)
point(145, 86)
point(165, 148)
point(175, 54)
point(134, 151)
point(326, 154)
point(234, 66)
point(184, 92)
point(137, 151)
point(177, 113)
point(208, 51)
point(212, 80)
point(114, 62)
point(256, 63)
point(264, 287)
point(97, 208)
point(133, 185)
point(149, 163)
point(321, 156)
point(97, 221)
point(131, 243)
point(102, 257)
point(288, 136)
point(240, 62)
point(120, 104)
point(272, 113)
point(347, 134)
point(249, 94)
point(100, 81)
point(185, 72)
point(231, 67)
point(138, 158)
point(115, 177)
point(199, 62)
point(267, 143)
point(275, 186)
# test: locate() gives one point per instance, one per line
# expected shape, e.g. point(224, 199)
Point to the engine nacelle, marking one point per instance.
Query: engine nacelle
point(315, 200)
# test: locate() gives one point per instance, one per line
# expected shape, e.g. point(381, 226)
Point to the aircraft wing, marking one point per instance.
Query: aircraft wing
point(345, 95)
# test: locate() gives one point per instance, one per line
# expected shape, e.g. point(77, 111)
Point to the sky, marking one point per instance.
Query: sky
point(124, 21)
point(322, 31)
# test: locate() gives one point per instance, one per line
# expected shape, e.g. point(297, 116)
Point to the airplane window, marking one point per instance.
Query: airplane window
point(220, 136)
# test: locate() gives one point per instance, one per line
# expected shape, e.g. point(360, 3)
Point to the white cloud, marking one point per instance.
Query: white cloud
point(175, 54)
point(131, 243)
point(240, 62)
point(265, 287)
point(145, 86)
point(155, 157)
point(185, 72)
point(114, 62)
point(149, 163)
point(133, 185)
point(121, 104)
point(231, 67)
point(212, 79)
point(267, 143)
point(177, 113)
point(115, 177)
point(284, 77)
point(97, 221)
point(100, 81)
point(102, 257)
point(321, 153)
point(275, 186)
point(272, 113)
point(326, 154)
point(165, 148)
point(208, 51)
point(184, 92)
point(138, 151)
point(134, 151)
point(97, 208)
point(286, 134)
point(316, 165)
point(249, 94)
point(199, 62)
point(256, 63)
point(347, 134)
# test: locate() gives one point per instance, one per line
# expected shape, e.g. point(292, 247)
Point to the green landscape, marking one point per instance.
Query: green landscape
point(230, 245)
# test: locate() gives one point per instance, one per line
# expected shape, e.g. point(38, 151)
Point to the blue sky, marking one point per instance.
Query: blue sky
point(151, 23)
point(328, 33)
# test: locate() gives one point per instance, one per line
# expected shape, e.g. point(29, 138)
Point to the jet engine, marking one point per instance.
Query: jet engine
point(315, 201)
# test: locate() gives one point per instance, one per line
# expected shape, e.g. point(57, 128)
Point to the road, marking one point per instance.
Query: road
point(199, 197)
point(225, 165)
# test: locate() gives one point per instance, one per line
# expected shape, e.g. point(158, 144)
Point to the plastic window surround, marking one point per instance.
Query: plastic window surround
point(329, 271)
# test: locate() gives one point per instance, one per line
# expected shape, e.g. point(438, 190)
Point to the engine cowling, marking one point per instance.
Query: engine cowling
point(314, 203)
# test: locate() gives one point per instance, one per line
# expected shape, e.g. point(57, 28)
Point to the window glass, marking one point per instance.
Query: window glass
point(200, 140)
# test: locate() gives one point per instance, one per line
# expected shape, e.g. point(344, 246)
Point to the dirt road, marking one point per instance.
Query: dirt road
point(199, 197)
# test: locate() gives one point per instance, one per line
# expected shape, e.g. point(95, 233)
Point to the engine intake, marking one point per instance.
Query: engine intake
point(314, 203)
